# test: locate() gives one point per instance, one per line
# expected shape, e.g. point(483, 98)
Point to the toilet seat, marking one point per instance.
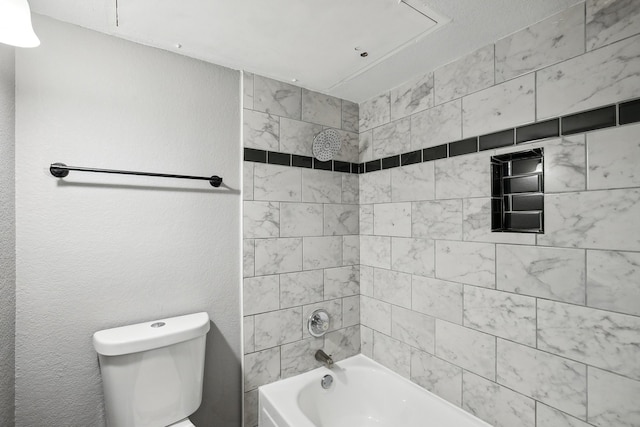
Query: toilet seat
point(182, 423)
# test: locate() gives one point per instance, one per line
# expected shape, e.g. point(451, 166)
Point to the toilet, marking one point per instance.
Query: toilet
point(152, 372)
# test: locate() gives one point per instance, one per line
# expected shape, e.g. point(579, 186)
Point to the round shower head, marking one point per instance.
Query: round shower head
point(326, 144)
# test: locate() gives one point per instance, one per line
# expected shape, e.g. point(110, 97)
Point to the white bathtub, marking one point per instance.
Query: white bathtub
point(364, 394)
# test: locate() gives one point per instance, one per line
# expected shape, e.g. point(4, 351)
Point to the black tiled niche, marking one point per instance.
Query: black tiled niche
point(517, 192)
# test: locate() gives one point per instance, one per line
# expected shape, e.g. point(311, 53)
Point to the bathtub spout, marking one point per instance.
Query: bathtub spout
point(323, 357)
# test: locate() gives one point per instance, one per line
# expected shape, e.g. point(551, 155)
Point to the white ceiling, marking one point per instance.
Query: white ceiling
point(312, 41)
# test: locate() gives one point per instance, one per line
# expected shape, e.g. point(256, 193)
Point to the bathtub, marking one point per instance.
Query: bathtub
point(363, 394)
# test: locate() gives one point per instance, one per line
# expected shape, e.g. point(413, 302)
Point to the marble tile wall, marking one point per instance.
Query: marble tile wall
point(300, 230)
point(518, 329)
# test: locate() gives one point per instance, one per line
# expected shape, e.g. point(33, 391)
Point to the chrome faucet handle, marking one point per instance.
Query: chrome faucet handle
point(318, 323)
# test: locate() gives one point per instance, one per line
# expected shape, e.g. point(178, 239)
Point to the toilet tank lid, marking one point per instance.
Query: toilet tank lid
point(149, 335)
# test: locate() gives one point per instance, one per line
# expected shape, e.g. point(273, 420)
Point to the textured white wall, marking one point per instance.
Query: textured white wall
point(7, 234)
point(96, 251)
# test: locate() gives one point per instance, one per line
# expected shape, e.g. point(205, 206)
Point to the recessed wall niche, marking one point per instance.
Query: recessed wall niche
point(517, 192)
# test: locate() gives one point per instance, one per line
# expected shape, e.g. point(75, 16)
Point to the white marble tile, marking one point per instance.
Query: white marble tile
point(375, 187)
point(499, 107)
point(392, 353)
point(296, 137)
point(300, 219)
point(251, 409)
point(351, 311)
point(278, 256)
point(350, 116)
point(469, 349)
point(412, 96)
point(322, 252)
point(298, 357)
point(554, 273)
point(392, 219)
point(611, 20)
point(342, 343)
point(547, 416)
point(463, 176)
point(375, 251)
point(247, 180)
point(437, 125)
point(301, 288)
point(613, 400)
point(247, 90)
point(600, 77)
point(366, 341)
point(612, 281)
point(495, 404)
point(437, 298)
point(366, 219)
point(414, 256)
point(614, 158)
point(501, 314)
point(439, 219)
point(392, 138)
point(248, 258)
point(350, 189)
point(341, 219)
point(249, 334)
point(413, 328)
point(553, 380)
point(277, 183)
point(469, 74)
point(476, 225)
point(349, 149)
point(365, 146)
point(375, 314)
point(274, 97)
point(375, 112)
point(261, 130)
point(321, 109)
point(260, 294)
point(439, 377)
point(413, 182)
point(262, 367)
point(350, 250)
point(278, 327)
point(320, 186)
point(366, 280)
point(341, 282)
point(260, 219)
point(598, 338)
point(547, 42)
point(466, 262)
point(593, 219)
point(392, 286)
point(333, 307)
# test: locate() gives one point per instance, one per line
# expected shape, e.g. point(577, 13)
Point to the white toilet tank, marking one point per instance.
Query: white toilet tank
point(152, 372)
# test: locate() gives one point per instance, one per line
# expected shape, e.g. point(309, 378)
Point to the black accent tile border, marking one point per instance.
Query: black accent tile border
point(598, 118)
point(540, 130)
point(254, 155)
point(411, 158)
point(391, 162)
point(589, 120)
point(301, 161)
point(325, 166)
point(466, 146)
point(435, 153)
point(629, 112)
point(339, 166)
point(503, 138)
point(274, 158)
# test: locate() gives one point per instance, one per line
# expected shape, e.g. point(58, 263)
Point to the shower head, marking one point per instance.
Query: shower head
point(326, 145)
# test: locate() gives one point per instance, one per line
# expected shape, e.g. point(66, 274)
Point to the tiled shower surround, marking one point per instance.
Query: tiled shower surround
point(519, 329)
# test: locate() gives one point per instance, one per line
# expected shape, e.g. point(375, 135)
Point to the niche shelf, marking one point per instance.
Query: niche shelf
point(517, 192)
